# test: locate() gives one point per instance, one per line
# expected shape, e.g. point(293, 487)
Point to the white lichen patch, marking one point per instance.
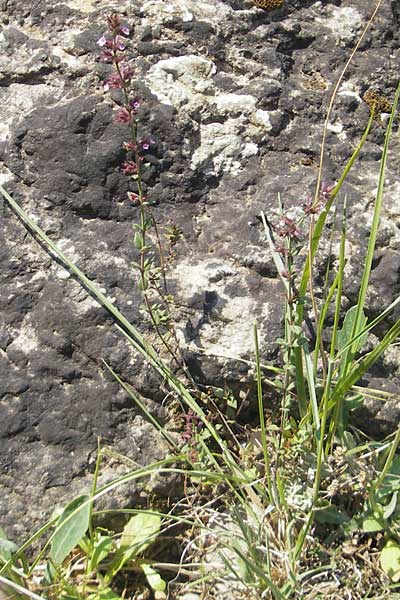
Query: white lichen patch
point(337, 127)
point(350, 89)
point(163, 12)
point(181, 80)
point(221, 145)
point(227, 330)
point(160, 11)
point(238, 103)
point(85, 6)
point(5, 174)
point(16, 101)
point(262, 119)
point(196, 277)
point(249, 149)
point(345, 23)
point(231, 336)
point(186, 83)
point(26, 341)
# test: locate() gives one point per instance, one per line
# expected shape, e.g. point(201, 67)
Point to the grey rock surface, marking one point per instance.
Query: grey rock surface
point(234, 98)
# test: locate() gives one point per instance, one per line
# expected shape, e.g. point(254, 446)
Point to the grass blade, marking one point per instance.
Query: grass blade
point(261, 415)
point(374, 226)
point(130, 391)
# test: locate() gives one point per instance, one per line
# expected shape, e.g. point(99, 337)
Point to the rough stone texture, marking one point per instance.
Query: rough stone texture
point(234, 97)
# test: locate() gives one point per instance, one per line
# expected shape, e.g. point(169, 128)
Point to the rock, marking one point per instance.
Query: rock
point(379, 417)
point(234, 98)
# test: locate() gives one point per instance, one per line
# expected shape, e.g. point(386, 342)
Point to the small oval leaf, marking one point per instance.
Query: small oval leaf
point(371, 525)
point(390, 560)
point(70, 529)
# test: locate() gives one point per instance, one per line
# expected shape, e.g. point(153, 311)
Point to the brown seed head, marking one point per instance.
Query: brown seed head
point(268, 4)
point(377, 103)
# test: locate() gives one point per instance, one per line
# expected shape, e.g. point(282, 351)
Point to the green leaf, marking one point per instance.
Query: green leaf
point(391, 481)
point(389, 509)
point(371, 525)
point(140, 531)
point(85, 545)
point(7, 548)
point(138, 240)
point(395, 466)
point(351, 527)
point(344, 335)
point(70, 529)
point(390, 560)
point(143, 284)
point(102, 549)
point(154, 579)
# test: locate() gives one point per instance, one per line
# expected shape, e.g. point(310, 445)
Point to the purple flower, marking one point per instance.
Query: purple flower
point(134, 103)
point(113, 81)
point(114, 22)
point(191, 425)
point(326, 190)
point(123, 115)
point(146, 143)
point(127, 72)
point(289, 229)
point(119, 44)
point(105, 42)
point(107, 56)
point(130, 146)
point(102, 41)
point(124, 30)
point(133, 197)
point(119, 79)
point(283, 251)
point(129, 167)
point(310, 207)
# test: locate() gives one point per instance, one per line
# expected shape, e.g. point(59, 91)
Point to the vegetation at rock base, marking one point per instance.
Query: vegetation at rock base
point(296, 503)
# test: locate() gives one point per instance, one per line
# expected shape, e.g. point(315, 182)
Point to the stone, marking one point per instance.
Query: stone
point(235, 99)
